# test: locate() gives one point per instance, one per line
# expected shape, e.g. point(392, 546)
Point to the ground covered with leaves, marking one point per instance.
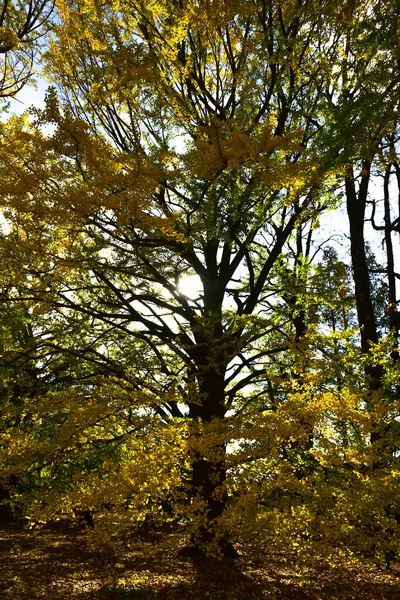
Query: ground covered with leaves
point(56, 562)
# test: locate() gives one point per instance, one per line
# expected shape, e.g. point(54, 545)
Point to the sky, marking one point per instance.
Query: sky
point(30, 95)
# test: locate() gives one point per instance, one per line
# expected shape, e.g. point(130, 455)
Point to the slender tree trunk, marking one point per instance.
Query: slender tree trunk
point(392, 305)
point(6, 513)
point(298, 317)
point(356, 204)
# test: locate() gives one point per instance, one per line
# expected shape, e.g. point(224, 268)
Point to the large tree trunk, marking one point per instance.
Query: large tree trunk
point(209, 469)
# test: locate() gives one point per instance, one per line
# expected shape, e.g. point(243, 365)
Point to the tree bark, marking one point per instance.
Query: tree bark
point(356, 204)
point(392, 304)
point(208, 483)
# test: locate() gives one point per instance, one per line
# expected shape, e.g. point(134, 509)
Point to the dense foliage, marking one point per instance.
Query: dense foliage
point(180, 341)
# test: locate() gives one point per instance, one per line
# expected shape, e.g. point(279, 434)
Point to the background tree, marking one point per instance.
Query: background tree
point(370, 67)
point(22, 24)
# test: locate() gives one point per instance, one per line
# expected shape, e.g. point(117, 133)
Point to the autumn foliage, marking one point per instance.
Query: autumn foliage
point(180, 342)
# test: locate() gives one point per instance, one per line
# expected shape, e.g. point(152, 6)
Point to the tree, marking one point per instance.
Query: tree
point(371, 63)
point(22, 24)
point(190, 140)
point(374, 60)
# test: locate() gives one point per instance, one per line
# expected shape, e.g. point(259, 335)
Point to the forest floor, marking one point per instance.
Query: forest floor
point(56, 563)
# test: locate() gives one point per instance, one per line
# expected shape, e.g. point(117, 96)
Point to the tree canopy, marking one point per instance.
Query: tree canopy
point(200, 143)
point(22, 25)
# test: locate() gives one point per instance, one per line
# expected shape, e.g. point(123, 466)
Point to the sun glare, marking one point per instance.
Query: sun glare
point(190, 286)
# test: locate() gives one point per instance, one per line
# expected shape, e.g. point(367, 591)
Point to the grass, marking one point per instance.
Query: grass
point(56, 563)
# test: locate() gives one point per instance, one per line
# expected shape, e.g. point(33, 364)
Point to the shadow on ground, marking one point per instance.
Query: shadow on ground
point(56, 563)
